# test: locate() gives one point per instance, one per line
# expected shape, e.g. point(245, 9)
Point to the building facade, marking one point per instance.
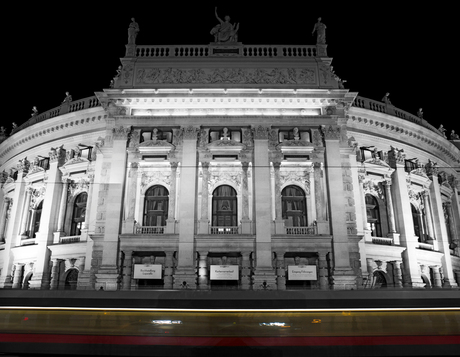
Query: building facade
point(228, 166)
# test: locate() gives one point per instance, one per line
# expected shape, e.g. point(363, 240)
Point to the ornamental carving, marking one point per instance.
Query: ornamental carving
point(431, 168)
point(317, 138)
point(134, 138)
point(324, 73)
point(127, 73)
point(158, 177)
point(3, 176)
point(331, 132)
point(76, 186)
point(120, 133)
point(37, 194)
point(190, 133)
point(261, 132)
point(299, 177)
point(226, 75)
point(23, 165)
point(373, 188)
point(203, 137)
point(178, 137)
point(453, 181)
point(247, 138)
point(396, 156)
point(273, 137)
point(216, 177)
point(57, 154)
point(35, 166)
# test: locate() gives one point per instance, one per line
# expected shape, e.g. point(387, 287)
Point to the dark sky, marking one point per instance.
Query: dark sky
point(376, 46)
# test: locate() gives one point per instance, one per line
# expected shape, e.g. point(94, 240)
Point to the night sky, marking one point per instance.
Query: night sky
point(377, 48)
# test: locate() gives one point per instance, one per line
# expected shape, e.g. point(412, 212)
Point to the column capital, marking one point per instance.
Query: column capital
point(260, 132)
point(190, 132)
point(120, 133)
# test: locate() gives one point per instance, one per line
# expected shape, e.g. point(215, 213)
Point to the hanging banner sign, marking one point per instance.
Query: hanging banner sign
point(224, 272)
point(147, 271)
point(302, 272)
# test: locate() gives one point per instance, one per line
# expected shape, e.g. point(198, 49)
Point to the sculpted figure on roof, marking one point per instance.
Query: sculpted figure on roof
point(132, 31)
point(320, 30)
point(225, 31)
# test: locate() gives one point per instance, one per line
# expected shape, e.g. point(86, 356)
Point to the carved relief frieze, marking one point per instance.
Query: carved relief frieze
point(127, 72)
point(374, 188)
point(302, 178)
point(160, 177)
point(226, 75)
point(218, 176)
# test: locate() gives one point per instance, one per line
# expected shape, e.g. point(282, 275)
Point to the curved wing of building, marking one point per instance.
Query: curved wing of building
point(228, 166)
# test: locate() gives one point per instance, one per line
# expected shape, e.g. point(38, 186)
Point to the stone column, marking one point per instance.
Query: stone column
point(245, 221)
point(171, 221)
point(48, 221)
point(62, 210)
point(323, 226)
point(279, 221)
point(12, 230)
point(451, 226)
point(264, 274)
point(203, 271)
point(323, 278)
point(344, 277)
point(26, 213)
point(311, 215)
point(115, 155)
point(403, 214)
point(185, 274)
point(280, 271)
point(130, 199)
point(54, 273)
point(245, 270)
point(441, 230)
point(429, 216)
point(18, 276)
point(127, 269)
point(390, 213)
point(454, 183)
point(3, 218)
point(204, 221)
point(437, 282)
point(398, 279)
point(169, 270)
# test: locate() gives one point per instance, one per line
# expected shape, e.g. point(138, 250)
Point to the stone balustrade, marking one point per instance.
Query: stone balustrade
point(70, 239)
point(382, 241)
point(85, 103)
point(152, 230)
point(236, 50)
point(377, 106)
point(224, 230)
point(426, 246)
point(311, 230)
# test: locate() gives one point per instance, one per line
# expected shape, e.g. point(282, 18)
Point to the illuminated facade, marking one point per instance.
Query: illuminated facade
point(228, 166)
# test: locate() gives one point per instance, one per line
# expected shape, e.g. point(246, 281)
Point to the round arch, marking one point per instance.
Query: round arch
point(294, 206)
point(71, 279)
point(156, 204)
point(380, 280)
point(224, 206)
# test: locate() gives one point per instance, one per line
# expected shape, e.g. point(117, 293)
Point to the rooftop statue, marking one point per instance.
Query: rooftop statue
point(320, 30)
point(420, 113)
point(132, 32)
point(68, 98)
point(34, 111)
point(225, 31)
point(386, 98)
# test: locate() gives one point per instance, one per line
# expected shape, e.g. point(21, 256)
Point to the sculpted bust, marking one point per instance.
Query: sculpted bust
point(225, 31)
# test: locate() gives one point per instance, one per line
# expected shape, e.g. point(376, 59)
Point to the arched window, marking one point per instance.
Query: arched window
point(156, 206)
point(36, 220)
point(71, 280)
point(78, 214)
point(373, 216)
point(224, 207)
point(294, 207)
point(417, 223)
